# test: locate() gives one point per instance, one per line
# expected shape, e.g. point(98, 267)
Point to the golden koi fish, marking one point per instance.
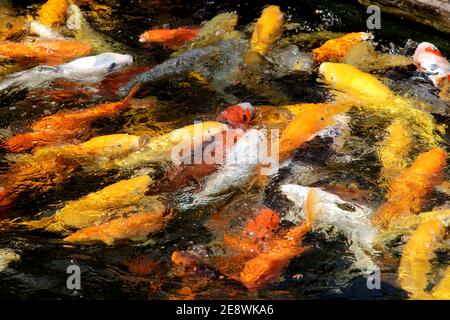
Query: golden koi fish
point(134, 227)
point(160, 148)
point(267, 30)
point(394, 149)
point(310, 119)
point(335, 49)
point(415, 264)
point(119, 199)
point(367, 92)
point(408, 191)
point(53, 12)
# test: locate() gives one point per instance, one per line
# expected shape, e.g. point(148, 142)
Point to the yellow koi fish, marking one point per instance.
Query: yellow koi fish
point(121, 198)
point(394, 149)
point(335, 49)
point(415, 263)
point(267, 30)
point(408, 191)
point(368, 93)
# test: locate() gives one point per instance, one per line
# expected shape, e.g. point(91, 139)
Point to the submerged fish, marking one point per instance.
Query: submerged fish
point(168, 147)
point(117, 200)
point(52, 52)
point(85, 33)
point(134, 227)
point(64, 126)
point(429, 60)
point(351, 219)
point(393, 151)
point(218, 29)
point(171, 38)
point(308, 121)
point(240, 164)
point(334, 50)
point(415, 264)
point(408, 191)
point(86, 69)
point(48, 168)
point(363, 56)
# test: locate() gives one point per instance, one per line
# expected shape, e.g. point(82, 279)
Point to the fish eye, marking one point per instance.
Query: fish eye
point(112, 66)
point(244, 117)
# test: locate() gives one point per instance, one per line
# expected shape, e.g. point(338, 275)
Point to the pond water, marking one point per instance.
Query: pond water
point(143, 269)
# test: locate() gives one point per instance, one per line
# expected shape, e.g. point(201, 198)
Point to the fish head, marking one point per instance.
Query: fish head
point(429, 59)
point(110, 61)
point(238, 116)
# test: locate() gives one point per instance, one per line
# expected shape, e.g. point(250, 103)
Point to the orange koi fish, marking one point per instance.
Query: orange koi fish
point(265, 223)
point(415, 264)
point(335, 49)
point(267, 30)
point(137, 226)
point(238, 116)
point(52, 52)
point(268, 265)
point(408, 191)
point(65, 125)
point(171, 38)
point(310, 120)
point(53, 12)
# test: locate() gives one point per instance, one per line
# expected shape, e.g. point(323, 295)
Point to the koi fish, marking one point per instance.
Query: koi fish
point(237, 116)
point(218, 29)
point(119, 199)
point(86, 69)
point(135, 227)
point(240, 163)
point(429, 60)
point(264, 223)
point(267, 30)
point(307, 123)
point(408, 191)
point(329, 209)
point(268, 264)
point(64, 125)
point(394, 149)
point(415, 263)
point(367, 92)
point(52, 52)
point(162, 148)
point(335, 49)
point(53, 12)
point(174, 66)
point(171, 38)
point(49, 167)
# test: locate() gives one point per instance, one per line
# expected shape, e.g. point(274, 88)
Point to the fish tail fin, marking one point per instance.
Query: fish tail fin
point(132, 93)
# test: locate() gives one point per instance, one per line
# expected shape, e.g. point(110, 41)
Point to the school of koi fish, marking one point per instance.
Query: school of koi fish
point(358, 169)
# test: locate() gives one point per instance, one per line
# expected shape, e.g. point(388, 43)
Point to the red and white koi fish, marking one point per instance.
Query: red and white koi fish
point(429, 60)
